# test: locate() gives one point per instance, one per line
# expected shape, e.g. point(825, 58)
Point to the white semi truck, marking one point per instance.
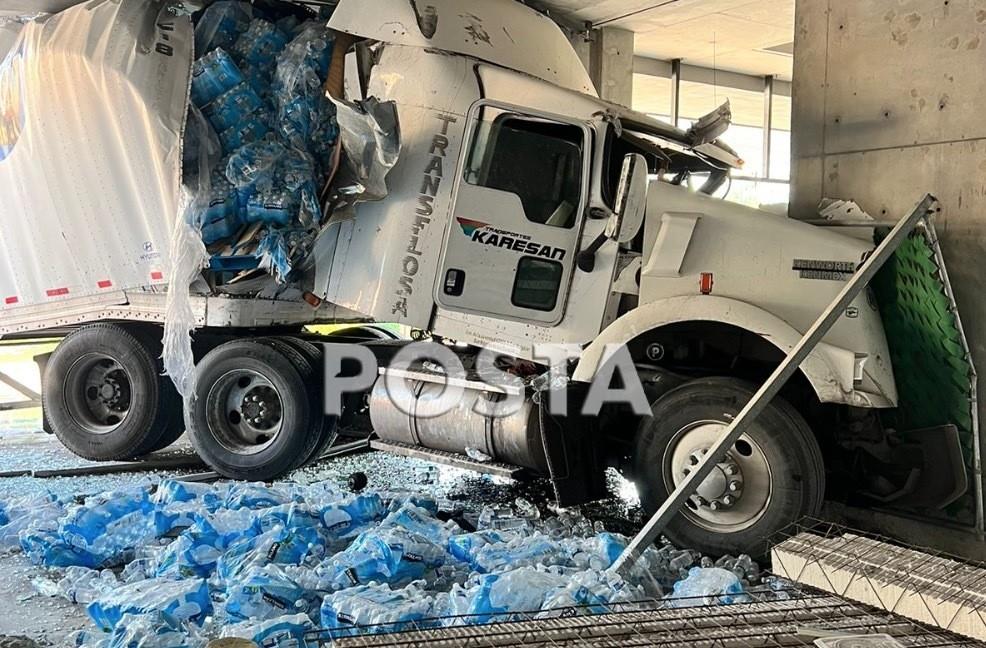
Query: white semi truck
point(522, 210)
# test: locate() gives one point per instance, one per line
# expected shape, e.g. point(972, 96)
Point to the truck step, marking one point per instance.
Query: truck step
point(449, 459)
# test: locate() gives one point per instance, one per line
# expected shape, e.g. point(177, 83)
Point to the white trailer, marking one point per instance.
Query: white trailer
point(522, 210)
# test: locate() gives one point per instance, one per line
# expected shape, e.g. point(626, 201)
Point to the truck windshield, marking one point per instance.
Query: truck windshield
point(666, 162)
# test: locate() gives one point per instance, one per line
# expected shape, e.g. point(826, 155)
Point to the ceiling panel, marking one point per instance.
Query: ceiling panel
point(724, 34)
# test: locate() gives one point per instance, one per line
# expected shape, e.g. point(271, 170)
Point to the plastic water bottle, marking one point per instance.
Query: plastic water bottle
point(272, 207)
point(249, 130)
point(708, 587)
point(221, 24)
point(260, 44)
point(232, 107)
point(217, 213)
point(212, 76)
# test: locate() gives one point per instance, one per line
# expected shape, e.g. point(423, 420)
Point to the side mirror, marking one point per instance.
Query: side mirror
point(628, 213)
point(631, 200)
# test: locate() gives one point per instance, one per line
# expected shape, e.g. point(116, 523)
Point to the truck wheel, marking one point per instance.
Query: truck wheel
point(307, 359)
point(152, 339)
point(252, 416)
point(773, 476)
point(325, 428)
point(104, 396)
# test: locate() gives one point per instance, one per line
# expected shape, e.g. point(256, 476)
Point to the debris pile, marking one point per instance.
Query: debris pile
point(260, 139)
point(183, 562)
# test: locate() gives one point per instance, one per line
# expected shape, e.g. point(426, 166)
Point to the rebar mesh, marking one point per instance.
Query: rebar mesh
point(761, 622)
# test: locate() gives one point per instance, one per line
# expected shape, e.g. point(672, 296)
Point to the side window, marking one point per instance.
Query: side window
point(539, 161)
point(537, 284)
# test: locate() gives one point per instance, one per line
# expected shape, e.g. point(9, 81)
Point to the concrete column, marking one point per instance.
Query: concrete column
point(611, 64)
point(887, 105)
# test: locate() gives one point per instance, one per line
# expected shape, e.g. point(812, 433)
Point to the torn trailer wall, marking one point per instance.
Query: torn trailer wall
point(106, 82)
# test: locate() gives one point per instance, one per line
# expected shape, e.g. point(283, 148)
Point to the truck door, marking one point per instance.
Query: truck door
point(520, 196)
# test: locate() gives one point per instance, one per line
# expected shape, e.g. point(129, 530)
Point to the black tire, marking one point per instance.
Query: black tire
point(327, 430)
point(232, 447)
point(308, 361)
point(779, 438)
point(152, 337)
point(104, 395)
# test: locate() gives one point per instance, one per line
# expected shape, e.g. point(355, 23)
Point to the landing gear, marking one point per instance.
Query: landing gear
point(773, 476)
point(104, 395)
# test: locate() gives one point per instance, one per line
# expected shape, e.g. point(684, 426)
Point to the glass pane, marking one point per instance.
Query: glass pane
point(539, 161)
point(537, 284)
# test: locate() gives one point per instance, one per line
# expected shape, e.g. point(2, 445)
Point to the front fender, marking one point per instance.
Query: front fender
point(829, 369)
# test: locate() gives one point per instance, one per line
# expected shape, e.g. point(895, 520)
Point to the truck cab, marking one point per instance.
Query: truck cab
point(501, 231)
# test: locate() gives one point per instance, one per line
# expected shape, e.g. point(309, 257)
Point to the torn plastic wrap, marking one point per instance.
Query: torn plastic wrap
point(370, 134)
point(188, 254)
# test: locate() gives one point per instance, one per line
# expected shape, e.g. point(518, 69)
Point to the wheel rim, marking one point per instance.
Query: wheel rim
point(245, 411)
point(736, 494)
point(98, 393)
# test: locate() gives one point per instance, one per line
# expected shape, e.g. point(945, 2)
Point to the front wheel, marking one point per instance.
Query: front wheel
point(771, 477)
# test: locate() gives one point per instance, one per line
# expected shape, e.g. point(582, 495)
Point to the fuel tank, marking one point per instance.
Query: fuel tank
point(513, 439)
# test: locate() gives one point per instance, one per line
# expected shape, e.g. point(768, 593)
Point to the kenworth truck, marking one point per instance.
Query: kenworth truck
point(521, 210)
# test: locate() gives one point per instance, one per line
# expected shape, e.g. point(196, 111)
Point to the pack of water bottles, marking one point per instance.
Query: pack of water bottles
point(288, 630)
point(188, 561)
point(258, 150)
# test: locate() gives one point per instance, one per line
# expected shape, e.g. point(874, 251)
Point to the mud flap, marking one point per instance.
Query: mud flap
point(575, 462)
point(936, 381)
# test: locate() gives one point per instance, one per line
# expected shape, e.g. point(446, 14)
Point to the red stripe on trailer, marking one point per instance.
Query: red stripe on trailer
point(105, 283)
point(11, 300)
point(157, 275)
point(57, 292)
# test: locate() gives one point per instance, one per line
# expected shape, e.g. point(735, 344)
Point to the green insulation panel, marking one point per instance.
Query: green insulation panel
point(935, 377)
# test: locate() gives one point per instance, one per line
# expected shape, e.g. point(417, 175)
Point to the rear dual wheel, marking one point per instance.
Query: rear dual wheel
point(257, 414)
point(104, 394)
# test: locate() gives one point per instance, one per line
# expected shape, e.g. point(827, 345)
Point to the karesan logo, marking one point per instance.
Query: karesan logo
point(486, 234)
point(469, 227)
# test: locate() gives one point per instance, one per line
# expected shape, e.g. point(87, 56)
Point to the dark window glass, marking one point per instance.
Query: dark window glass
point(538, 283)
point(540, 162)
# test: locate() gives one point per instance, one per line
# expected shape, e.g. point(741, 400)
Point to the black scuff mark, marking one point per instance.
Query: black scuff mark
point(427, 19)
point(475, 30)
point(509, 36)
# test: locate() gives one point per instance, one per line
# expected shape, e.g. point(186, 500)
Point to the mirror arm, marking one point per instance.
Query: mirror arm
point(587, 257)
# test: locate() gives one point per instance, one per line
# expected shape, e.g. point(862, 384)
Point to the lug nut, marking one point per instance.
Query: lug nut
point(728, 500)
point(731, 469)
point(734, 487)
point(714, 506)
point(693, 459)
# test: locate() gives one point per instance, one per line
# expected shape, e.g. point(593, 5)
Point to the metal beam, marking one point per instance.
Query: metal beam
point(675, 91)
point(20, 387)
point(672, 505)
point(708, 76)
point(768, 121)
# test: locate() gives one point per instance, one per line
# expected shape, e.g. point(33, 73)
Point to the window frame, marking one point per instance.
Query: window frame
point(561, 278)
point(489, 150)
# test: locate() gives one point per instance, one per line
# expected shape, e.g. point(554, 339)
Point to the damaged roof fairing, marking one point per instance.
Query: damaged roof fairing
point(502, 32)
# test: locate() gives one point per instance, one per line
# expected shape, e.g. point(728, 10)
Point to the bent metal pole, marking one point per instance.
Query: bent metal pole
point(672, 505)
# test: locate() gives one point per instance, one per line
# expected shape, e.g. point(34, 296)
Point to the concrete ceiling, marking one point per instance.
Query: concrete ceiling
point(725, 34)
